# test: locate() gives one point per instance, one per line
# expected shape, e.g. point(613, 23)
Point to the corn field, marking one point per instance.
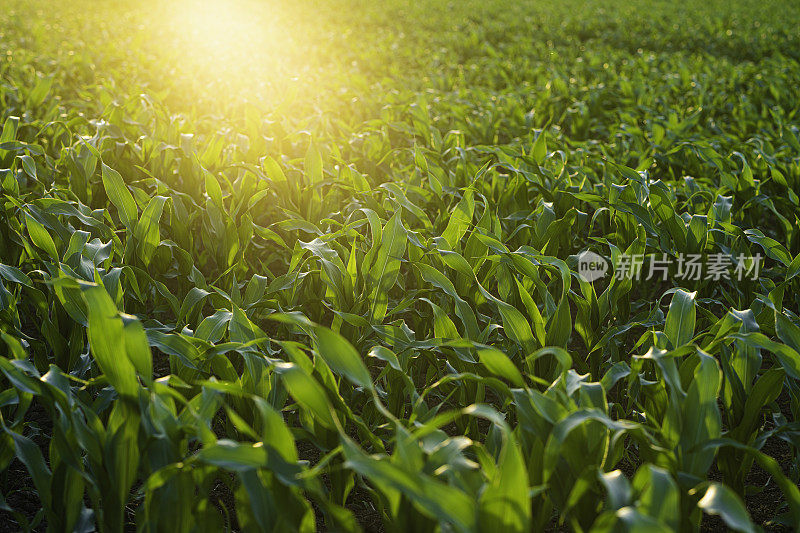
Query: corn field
point(403, 266)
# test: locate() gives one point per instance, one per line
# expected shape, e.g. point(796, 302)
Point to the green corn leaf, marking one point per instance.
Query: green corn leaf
point(342, 357)
point(443, 326)
point(273, 170)
point(383, 274)
point(659, 496)
point(40, 237)
point(313, 164)
point(504, 504)
point(39, 93)
point(788, 332)
point(460, 219)
point(499, 364)
point(8, 134)
point(108, 341)
point(722, 501)
point(29, 166)
point(213, 190)
point(147, 232)
point(539, 151)
point(618, 489)
point(119, 195)
point(787, 356)
point(307, 392)
point(681, 318)
point(437, 499)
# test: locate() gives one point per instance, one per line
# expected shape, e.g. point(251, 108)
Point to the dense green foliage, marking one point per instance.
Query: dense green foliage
point(334, 285)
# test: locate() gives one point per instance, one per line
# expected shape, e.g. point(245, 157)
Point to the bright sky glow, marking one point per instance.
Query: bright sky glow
point(236, 50)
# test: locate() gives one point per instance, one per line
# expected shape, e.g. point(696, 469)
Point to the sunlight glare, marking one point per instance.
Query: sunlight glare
point(220, 30)
point(233, 50)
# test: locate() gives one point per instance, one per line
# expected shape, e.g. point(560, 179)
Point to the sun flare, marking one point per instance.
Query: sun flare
point(220, 30)
point(235, 50)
